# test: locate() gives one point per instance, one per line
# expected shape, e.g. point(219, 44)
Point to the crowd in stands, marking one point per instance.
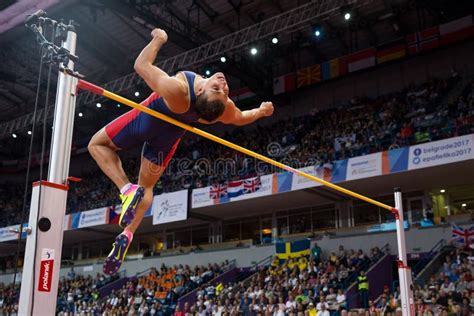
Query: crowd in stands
point(8, 299)
point(80, 293)
point(305, 285)
point(155, 293)
point(447, 292)
point(415, 115)
point(451, 290)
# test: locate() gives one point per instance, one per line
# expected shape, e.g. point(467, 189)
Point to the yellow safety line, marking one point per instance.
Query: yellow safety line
point(224, 142)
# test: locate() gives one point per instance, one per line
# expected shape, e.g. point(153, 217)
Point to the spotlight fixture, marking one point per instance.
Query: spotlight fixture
point(29, 132)
point(347, 16)
point(98, 105)
point(317, 33)
point(464, 205)
point(80, 114)
point(223, 59)
point(253, 51)
point(137, 94)
point(275, 40)
point(118, 105)
point(14, 135)
point(442, 190)
point(207, 72)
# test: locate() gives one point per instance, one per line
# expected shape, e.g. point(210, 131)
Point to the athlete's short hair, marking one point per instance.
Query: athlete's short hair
point(208, 110)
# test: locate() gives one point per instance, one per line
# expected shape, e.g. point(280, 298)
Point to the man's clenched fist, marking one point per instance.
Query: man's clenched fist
point(266, 108)
point(159, 35)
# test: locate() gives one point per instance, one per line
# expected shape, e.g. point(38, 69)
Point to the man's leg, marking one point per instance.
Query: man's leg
point(104, 152)
point(149, 175)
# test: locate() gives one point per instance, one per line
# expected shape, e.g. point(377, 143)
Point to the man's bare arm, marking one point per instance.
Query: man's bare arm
point(233, 115)
point(170, 88)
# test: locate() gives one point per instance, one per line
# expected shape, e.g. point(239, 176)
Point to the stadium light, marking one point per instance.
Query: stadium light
point(208, 72)
point(275, 40)
point(98, 105)
point(137, 94)
point(14, 135)
point(80, 114)
point(464, 205)
point(118, 105)
point(253, 51)
point(223, 59)
point(317, 32)
point(442, 190)
point(29, 132)
point(347, 16)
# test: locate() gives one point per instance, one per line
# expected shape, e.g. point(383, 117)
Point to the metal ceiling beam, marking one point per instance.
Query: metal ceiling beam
point(206, 8)
point(127, 22)
point(296, 17)
point(99, 42)
point(186, 26)
point(141, 12)
point(277, 5)
point(236, 6)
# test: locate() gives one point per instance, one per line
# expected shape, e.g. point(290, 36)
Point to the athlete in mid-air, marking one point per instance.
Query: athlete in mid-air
point(187, 97)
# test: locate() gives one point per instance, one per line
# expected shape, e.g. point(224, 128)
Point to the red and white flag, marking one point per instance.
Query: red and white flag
point(285, 83)
point(361, 59)
point(241, 94)
point(456, 30)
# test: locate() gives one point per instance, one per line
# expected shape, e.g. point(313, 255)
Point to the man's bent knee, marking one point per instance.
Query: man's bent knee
point(100, 139)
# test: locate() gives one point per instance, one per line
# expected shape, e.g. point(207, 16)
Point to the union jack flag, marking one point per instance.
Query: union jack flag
point(217, 191)
point(463, 235)
point(252, 185)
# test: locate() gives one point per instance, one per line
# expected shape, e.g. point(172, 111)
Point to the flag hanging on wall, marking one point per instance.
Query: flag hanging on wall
point(252, 185)
point(462, 236)
point(308, 75)
point(423, 41)
point(390, 51)
point(284, 83)
point(456, 30)
point(217, 191)
point(293, 249)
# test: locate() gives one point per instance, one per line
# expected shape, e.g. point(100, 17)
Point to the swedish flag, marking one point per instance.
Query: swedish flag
point(293, 249)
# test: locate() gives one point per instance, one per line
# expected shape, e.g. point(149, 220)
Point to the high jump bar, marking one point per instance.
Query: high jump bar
point(84, 85)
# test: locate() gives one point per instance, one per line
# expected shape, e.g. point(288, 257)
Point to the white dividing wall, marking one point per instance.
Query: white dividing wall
point(418, 240)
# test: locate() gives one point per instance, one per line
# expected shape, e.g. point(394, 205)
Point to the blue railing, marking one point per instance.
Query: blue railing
point(351, 278)
point(107, 289)
point(426, 259)
point(227, 274)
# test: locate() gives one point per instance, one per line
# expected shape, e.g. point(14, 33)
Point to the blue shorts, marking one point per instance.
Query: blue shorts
point(134, 128)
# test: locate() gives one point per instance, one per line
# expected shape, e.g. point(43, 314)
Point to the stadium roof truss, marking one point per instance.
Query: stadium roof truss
point(286, 21)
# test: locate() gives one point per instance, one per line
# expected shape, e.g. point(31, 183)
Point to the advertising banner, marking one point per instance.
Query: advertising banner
point(364, 166)
point(93, 218)
point(170, 207)
point(441, 152)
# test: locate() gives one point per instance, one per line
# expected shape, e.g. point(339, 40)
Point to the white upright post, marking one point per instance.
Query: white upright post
point(39, 284)
point(404, 271)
